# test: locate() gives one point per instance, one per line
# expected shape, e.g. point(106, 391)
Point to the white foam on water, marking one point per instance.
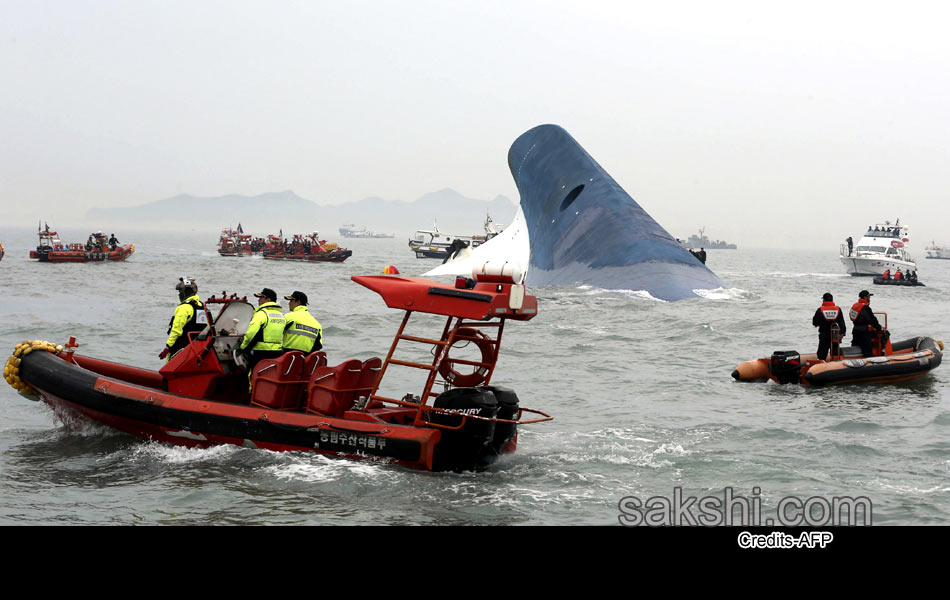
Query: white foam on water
point(317, 468)
point(726, 294)
point(182, 454)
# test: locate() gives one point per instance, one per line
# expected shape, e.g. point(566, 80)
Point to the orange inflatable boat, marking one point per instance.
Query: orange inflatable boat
point(891, 363)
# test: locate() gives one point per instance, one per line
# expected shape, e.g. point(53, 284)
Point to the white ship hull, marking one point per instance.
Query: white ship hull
point(875, 265)
point(882, 248)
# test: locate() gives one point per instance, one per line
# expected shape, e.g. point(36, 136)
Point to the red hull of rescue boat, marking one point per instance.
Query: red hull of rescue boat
point(153, 414)
point(75, 256)
point(337, 256)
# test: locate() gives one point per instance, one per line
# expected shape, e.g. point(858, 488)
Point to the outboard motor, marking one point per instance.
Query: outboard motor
point(786, 366)
point(468, 448)
point(505, 433)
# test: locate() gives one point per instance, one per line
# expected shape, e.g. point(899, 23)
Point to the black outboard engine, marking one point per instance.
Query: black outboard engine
point(786, 366)
point(507, 409)
point(468, 448)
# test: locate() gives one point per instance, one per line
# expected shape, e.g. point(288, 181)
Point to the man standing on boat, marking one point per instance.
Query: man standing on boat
point(302, 332)
point(865, 323)
point(189, 316)
point(850, 245)
point(828, 315)
point(265, 332)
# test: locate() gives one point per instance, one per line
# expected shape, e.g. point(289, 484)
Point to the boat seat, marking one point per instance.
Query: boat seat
point(332, 390)
point(369, 375)
point(278, 382)
point(851, 352)
point(314, 360)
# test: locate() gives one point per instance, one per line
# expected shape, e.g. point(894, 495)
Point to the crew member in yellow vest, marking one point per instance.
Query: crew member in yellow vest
point(189, 316)
point(303, 332)
point(265, 332)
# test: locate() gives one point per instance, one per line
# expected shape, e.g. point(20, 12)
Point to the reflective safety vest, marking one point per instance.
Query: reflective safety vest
point(830, 311)
point(266, 329)
point(189, 316)
point(303, 332)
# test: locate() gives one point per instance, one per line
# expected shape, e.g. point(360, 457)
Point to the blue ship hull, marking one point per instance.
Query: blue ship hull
point(584, 228)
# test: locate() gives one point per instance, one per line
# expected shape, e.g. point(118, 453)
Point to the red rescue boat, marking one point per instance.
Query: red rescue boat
point(96, 249)
point(456, 421)
point(306, 248)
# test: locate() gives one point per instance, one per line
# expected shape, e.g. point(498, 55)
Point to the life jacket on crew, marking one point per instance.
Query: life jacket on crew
point(303, 331)
point(898, 276)
point(830, 311)
point(886, 274)
point(196, 322)
point(856, 310)
point(268, 326)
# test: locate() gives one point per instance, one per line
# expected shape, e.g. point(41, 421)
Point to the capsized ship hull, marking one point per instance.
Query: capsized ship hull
point(580, 226)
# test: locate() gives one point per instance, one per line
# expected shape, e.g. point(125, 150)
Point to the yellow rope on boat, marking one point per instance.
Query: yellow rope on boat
point(11, 372)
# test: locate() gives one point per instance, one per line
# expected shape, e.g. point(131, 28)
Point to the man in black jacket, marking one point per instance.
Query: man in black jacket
point(827, 315)
point(865, 323)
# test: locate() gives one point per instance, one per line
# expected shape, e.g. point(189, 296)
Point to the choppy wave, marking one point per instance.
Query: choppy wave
point(640, 390)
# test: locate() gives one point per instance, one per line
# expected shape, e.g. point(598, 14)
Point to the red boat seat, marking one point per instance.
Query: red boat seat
point(332, 390)
point(369, 375)
point(314, 360)
point(278, 382)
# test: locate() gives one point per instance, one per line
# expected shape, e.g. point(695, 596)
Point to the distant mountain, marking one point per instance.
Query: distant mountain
point(286, 210)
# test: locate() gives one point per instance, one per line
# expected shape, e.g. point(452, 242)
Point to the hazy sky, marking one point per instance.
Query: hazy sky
point(767, 122)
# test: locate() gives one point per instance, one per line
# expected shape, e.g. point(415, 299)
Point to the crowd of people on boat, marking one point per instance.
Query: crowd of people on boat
point(899, 276)
point(97, 242)
point(829, 319)
point(883, 231)
point(300, 244)
point(270, 333)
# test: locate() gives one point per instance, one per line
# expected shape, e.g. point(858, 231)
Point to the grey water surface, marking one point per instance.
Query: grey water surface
point(641, 391)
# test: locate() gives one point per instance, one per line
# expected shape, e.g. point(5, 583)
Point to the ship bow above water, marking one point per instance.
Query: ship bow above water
point(584, 228)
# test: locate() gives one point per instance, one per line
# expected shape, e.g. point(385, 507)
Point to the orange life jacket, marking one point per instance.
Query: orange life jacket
point(886, 274)
point(897, 275)
point(856, 310)
point(830, 311)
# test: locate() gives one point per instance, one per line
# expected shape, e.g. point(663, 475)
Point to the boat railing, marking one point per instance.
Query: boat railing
point(456, 329)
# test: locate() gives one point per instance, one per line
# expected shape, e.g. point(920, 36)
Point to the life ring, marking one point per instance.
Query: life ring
point(474, 378)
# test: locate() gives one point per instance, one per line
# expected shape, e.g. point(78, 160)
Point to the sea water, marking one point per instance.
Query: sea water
point(641, 392)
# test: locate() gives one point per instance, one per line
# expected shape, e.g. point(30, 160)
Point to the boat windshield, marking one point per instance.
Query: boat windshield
point(870, 249)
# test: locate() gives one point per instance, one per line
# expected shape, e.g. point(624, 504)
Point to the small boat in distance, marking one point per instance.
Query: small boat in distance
point(432, 243)
point(308, 248)
point(704, 243)
point(234, 242)
point(98, 248)
point(352, 231)
point(883, 247)
point(935, 251)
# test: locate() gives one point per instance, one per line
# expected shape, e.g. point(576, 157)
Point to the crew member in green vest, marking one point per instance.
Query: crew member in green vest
point(303, 332)
point(265, 332)
point(189, 316)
